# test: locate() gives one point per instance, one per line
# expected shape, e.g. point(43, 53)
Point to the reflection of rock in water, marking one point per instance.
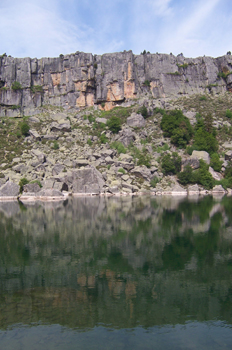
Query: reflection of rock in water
point(9, 208)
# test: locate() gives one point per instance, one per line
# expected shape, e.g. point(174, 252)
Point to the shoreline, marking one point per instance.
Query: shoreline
point(33, 198)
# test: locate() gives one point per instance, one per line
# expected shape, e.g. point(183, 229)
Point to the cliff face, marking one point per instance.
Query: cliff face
point(82, 79)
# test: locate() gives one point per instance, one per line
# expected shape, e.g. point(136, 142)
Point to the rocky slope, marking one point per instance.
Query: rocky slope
point(68, 102)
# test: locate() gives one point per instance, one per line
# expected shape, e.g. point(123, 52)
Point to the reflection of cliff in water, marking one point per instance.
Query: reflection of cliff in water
point(120, 261)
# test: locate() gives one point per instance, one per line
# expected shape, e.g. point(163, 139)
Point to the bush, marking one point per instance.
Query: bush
point(205, 136)
point(91, 118)
point(177, 126)
point(24, 127)
point(16, 86)
point(36, 88)
point(154, 181)
point(56, 145)
point(89, 142)
point(186, 176)
point(141, 157)
point(171, 164)
point(215, 162)
point(143, 110)
point(203, 98)
point(200, 176)
point(114, 124)
point(103, 138)
point(121, 170)
point(229, 113)
point(118, 146)
point(23, 182)
point(147, 83)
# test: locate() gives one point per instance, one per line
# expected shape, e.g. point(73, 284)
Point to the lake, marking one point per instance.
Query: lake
point(116, 273)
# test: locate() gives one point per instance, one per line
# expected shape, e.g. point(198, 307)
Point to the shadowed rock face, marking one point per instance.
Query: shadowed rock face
point(82, 79)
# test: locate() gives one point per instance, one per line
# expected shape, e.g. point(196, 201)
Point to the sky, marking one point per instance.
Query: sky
point(48, 28)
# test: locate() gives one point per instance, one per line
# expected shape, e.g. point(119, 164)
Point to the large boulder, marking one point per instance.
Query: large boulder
point(40, 156)
point(217, 176)
point(192, 161)
point(58, 168)
point(228, 155)
point(126, 136)
point(201, 155)
point(9, 189)
point(136, 121)
point(178, 190)
point(31, 188)
point(88, 180)
point(142, 172)
point(63, 125)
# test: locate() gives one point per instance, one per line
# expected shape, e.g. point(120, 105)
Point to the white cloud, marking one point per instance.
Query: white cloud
point(33, 30)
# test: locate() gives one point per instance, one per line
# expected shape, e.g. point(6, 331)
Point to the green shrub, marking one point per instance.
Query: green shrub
point(205, 136)
point(177, 126)
point(36, 88)
point(89, 142)
point(215, 162)
point(118, 146)
point(121, 170)
point(189, 150)
point(23, 182)
point(91, 118)
point(229, 113)
point(56, 145)
point(36, 182)
point(114, 124)
point(203, 98)
point(186, 176)
point(159, 110)
point(203, 177)
point(147, 83)
point(171, 164)
point(200, 176)
point(103, 138)
point(154, 181)
point(16, 86)
point(24, 127)
point(143, 110)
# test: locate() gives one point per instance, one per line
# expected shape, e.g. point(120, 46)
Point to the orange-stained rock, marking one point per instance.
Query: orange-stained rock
point(129, 89)
point(55, 78)
point(90, 99)
point(80, 86)
point(114, 93)
point(80, 102)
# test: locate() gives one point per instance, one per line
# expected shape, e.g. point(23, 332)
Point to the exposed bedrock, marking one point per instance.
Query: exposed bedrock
point(82, 79)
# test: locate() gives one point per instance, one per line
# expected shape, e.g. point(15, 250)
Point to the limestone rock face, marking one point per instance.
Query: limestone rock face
point(10, 189)
point(82, 79)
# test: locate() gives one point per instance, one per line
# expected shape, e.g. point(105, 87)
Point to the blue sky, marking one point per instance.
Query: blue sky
point(47, 28)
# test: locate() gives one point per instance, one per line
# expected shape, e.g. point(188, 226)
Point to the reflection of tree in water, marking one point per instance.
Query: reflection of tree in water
point(128, 260)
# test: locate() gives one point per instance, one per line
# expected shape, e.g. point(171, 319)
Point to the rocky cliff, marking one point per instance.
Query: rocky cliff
point(82, 79)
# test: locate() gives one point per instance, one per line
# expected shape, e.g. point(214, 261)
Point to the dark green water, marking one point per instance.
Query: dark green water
point(116, 273)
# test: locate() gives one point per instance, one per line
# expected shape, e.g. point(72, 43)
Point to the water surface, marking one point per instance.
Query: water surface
point(107, 273)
